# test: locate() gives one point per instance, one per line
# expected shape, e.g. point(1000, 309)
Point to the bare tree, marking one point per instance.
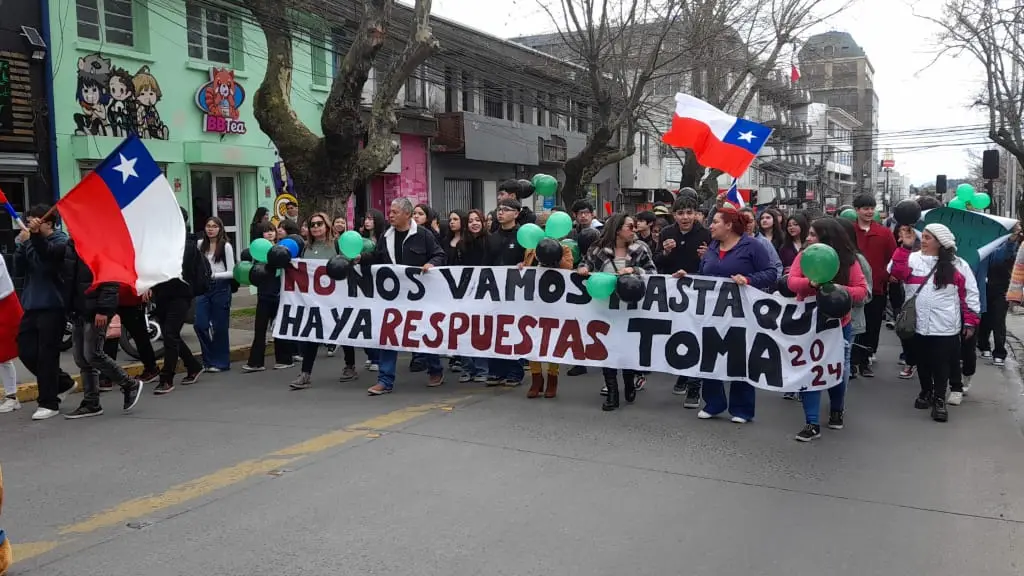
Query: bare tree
point(354, 145)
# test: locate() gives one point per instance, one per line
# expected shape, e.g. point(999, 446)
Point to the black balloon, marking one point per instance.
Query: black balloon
point(260, 273)
point(279, 256)
point(298, 240)
point(549, 253)
point(246, 256)
point(630, 288)
point(907, 212)
point(783, 287)
point(586, 238)
point(525, 189)
point(338, 267)
point(834, 301)
point(928, 202)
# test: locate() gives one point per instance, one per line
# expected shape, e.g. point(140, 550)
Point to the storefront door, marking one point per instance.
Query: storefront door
point(215, 193)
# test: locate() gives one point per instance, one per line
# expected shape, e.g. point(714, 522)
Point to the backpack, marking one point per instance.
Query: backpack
point(197, 270)
point(906, 319)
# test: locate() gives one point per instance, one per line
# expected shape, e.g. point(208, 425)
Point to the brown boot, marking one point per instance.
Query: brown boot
point(552, 386)
point(536, 386)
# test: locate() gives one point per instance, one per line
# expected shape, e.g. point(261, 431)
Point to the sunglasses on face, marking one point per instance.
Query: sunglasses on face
point(317, 224)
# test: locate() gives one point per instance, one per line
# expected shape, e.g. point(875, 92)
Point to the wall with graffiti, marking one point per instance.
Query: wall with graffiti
point(116, 102)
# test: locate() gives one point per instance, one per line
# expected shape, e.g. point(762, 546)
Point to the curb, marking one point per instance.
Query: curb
point(29, 392)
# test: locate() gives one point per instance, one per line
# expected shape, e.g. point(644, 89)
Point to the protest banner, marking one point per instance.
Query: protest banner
point(694, 326)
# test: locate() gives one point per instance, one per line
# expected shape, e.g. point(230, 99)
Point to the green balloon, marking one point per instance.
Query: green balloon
point(601, 285)
point(849, 214)
point(241, 272)
point(558, 226)
point(529, 236)
point(369, 245)
point(958, 204)
point(536, 180)
point(545, 185)
point(965, 192)
point(878, 216)
point(350, 244)
point(819, 263)
point(575, 248)
point(259, 249)
point(981, 200)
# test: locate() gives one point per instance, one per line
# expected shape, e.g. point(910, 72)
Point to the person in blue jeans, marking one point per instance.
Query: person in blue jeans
point(405, 244)
point(213, 309)
point(733, 254)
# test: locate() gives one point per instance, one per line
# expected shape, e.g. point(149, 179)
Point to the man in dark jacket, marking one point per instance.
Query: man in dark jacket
point(173, 300)
point(513, 190)
point(91, 310)
point(405, 244)
point(679, 248)
point(38, 259)
point(504, 250)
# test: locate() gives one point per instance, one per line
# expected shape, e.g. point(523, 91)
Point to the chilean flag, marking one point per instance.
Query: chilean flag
point(717, 139)
point(733, 196)
point(10, 316)
point(125, 220)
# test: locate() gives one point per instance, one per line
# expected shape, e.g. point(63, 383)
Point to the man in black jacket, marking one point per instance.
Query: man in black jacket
point(91, 310)
point(680, 248)
point(513, 190)
point(405, 244)
point(503, 249)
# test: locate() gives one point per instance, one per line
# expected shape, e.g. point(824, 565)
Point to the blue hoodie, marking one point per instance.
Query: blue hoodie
point(39, 261)
point(748, 257)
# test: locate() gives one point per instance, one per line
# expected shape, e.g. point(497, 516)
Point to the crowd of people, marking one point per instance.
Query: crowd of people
point(958, 308)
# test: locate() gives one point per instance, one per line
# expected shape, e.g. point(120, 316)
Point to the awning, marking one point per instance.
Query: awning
point(18, 163)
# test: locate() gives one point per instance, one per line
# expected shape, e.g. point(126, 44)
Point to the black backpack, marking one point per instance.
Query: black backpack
point(197, 269)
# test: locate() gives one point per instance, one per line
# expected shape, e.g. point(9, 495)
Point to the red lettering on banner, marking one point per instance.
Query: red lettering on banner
point(388, 334)
point(570, 338)
point(500, 347)
point(547, 325)
point(296, 279)
point(525, 346)
point(483, 332)
point(411, 318)
point(318, 287)
point(435, 322)
point(458, 326)
point(596, 350)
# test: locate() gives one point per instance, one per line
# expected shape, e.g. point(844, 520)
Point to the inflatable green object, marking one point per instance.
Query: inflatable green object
point(958, 204)
point(558, 226)
point(601, 285)
point(981, 200)
point(368, 245)
point(849, 214)
point(529, 235)
point(819, 263)
point(545, 185)
point(259, 249)
point(241, 272)
point(965, 192)
point(350, 244)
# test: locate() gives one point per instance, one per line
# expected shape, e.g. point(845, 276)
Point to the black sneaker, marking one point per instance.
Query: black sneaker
point(680, 388)
point(576, 371)
point(835, 420)
point(149, 376)
point(84, 411)
point(190, 378)
point(692, 400)
point(923, 401)
point(132, 394)
point(939, 413)
point(810, 432)
point(163, 388)
point(866, 371)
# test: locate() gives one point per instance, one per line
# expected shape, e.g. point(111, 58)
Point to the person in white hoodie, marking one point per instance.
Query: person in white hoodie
point(947, 305)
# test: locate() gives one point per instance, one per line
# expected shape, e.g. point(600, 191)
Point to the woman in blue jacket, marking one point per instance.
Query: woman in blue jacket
point(733, 254)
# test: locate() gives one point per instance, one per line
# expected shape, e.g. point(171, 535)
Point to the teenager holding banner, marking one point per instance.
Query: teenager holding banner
point(468, 247)
point(536, 369)
point(734, 254)
point(618, 252)
point(850, 277)
point(503, 249)
point(374, 225)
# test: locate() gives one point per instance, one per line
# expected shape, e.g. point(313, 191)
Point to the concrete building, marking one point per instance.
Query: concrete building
point(829, 153)
point(838, 73)
point(896, 190)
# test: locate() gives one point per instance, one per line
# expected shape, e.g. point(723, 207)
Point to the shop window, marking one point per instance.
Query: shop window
point(209, 33)
point(106, 21)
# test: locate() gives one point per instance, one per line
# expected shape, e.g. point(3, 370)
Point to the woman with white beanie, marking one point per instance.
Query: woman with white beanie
point(947, 305)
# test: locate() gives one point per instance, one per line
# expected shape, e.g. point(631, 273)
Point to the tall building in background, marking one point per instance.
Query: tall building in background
point(838, 73)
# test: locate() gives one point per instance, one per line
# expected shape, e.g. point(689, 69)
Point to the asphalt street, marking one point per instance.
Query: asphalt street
point(237, 475)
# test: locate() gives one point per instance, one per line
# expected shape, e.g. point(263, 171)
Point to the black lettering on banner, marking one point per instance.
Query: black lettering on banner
point(580, 297)
point(615, 304)
point(648, 328)
point(412, 273)
point(516, 279)
point(362, 328)
point(458, 288)
point(728, 299)
point(656, 295)
point(487, 286)
point(702, 287)
point(765, 360)
point(291, 319)
point(766, 312)
point(683, 302)
point(360, 282)
point(314, 328)
point(682, 360)
point(793, 325)
point(340, 320)
point(551, 286)
point(733, 346)
point(387, 283)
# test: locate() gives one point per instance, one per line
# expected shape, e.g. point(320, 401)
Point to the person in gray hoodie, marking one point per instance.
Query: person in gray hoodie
point(38, 259)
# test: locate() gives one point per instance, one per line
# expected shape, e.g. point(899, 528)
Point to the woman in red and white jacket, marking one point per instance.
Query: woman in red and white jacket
point(947, 306)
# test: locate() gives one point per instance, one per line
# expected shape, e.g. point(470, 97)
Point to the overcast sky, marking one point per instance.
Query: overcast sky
point(899, 46)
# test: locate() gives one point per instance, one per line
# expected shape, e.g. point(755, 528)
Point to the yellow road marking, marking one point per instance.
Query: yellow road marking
point(199, 487)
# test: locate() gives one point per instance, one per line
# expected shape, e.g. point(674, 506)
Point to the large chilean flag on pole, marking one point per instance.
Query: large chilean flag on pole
point(125, 221)
point(717, 139)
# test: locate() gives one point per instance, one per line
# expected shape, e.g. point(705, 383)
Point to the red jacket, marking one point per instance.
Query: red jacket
point(877, 244)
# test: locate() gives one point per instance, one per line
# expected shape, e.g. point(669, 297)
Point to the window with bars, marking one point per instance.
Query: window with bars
point(467, 93)
point(209, 33)
point(510, 105)
point(318, 56)
point(493, 106)
point(106, 21)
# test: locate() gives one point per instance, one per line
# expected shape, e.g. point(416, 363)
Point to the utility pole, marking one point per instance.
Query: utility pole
point(1010, 186)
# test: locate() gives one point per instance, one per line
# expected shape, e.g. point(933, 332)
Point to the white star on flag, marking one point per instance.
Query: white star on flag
point(746, 137)
point(126, 168)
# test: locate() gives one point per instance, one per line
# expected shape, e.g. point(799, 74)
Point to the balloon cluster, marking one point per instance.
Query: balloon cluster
point(351, 244)
point(820, 264)
point(558, 226)
point(264, 259)
point(545, 185)
point(966, 196)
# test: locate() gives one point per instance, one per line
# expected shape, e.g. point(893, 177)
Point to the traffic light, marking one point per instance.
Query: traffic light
point(753, 196)
point(989, 187)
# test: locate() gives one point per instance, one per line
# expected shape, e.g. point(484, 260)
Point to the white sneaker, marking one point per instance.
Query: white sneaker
point(967, 384)
point(284, 366)
point(738, 420)
point(9, 405)
point(955, 398)
point(373, 368)
point(367, 364)
point(704, 415)
point(999, 362)
point(986, 354)
point(44, 414)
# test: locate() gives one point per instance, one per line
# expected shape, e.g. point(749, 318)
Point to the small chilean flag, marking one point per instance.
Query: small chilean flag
point(733, 196)
point(125, 220)
point(717, 139)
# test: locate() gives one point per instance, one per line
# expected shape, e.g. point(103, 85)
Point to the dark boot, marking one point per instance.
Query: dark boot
point(939, 412)
point(552, 389)
point(629, 385)
point(611, 401)
point(536, 385)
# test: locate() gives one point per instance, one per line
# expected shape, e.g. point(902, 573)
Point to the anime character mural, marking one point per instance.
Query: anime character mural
point(147, 96)
point(117, 103)
point(121, 110)
point(92, 95)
